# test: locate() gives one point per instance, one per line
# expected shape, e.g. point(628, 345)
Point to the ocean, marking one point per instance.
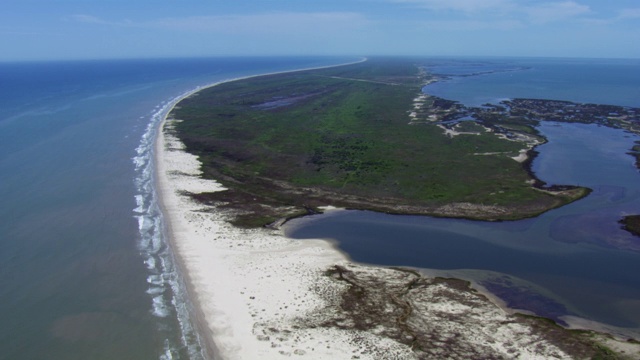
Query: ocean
point(85, 269)
point(559, 265)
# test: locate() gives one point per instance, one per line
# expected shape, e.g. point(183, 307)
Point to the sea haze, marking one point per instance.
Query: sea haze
point(557, 264)
point(86, 273)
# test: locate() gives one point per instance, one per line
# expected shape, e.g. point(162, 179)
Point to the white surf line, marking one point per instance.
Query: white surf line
point(179, 284)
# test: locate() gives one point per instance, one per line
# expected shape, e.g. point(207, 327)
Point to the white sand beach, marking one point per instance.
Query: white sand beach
point(260, 295)
point(244, 283)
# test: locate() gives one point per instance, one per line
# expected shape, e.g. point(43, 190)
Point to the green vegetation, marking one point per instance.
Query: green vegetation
point(469, 126)
point(288, 143)
point(635, 152)
point(631, 223)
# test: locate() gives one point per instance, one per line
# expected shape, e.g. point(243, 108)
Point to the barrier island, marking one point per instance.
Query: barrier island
point(359, 136)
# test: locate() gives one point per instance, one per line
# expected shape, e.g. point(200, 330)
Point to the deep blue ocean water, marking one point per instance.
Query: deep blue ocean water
point(84, 269)
point(554, 265)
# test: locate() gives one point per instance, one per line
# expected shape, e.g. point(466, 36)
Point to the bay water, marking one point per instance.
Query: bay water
point(574, 261)
point(85, 271)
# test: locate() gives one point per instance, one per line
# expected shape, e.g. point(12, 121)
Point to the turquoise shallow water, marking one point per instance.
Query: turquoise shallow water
point(557, 264)
point(83, 275)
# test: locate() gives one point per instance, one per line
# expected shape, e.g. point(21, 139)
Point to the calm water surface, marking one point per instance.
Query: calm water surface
point(562, 254)
point(554, 265)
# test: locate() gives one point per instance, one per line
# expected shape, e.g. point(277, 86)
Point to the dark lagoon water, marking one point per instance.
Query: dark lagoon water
point(557, 264)
point(85, 272)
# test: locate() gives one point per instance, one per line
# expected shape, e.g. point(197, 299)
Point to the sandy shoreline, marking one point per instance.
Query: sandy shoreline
point(166, 191)
point(258, 294)
point(242, 281)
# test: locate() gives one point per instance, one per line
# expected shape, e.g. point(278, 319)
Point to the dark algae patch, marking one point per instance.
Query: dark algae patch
point(522, 297)
point(631, 223)
point(635, 152)
point(414, 310)
point(352, 137)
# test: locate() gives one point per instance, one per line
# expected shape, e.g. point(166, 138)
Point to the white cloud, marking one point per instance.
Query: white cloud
point(555, 11)
point(459, 5)
point(269, 22)
point(84, 18)
point(623, 15)
point(471, 25)
point(89, 19)
point(505, 10)
point(277, 22)
point(629, 14)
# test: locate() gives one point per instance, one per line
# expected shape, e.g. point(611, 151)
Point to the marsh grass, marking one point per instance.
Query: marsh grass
point(345, 133)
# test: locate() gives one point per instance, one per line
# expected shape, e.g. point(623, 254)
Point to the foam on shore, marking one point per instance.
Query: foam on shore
point(246, 282)
point(168, 294)
point(252, 290)
point(166, 289)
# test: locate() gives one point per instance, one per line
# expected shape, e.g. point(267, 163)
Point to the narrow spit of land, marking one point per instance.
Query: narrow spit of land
point(361, 136)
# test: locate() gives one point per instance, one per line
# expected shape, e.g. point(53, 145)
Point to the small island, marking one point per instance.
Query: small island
point(631, 223)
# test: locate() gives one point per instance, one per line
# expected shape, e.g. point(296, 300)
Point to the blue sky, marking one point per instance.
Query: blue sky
point(95, 29)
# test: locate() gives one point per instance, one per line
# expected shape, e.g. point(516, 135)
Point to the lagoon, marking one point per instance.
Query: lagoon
point(562, 263)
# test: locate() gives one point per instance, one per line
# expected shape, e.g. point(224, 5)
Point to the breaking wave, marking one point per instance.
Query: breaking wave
point(167, 291)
